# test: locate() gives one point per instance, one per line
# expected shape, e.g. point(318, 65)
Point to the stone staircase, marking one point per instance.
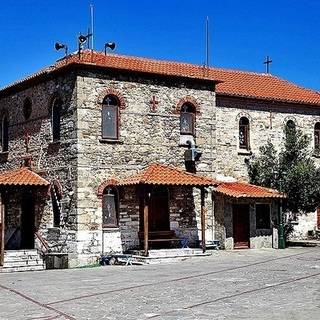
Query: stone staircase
point(22, 260)
point(167, 255)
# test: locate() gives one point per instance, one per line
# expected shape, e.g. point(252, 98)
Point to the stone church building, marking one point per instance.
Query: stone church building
point(109, 153)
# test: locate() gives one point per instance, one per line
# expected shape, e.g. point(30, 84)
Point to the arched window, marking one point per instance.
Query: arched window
point(290, 128)
point(4, 133)
point(56, 120)
point(317, 136)
point(56, 206)
point(110, 207)
point(244, 133)
point(110, 117)
point(290, 125)
point(27, 109)
point(187, 119)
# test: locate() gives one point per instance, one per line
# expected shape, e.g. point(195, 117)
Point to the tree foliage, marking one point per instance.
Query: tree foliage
point(292, 171)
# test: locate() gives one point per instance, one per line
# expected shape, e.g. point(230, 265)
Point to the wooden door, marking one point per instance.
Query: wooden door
point(159, 210)
point(241, 226)
point(27, 222)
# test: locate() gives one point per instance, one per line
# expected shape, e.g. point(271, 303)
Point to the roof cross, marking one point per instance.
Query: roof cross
point(154, 103)
point(267, 62)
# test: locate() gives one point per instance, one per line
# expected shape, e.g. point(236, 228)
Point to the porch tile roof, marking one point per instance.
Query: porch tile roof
point(159, 174)
point(246, 190)
point(22, 177)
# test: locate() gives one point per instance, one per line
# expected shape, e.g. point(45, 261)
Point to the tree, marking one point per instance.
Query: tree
point(292, 171)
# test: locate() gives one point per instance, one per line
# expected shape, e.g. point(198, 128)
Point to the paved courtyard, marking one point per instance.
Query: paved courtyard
point(247, 284)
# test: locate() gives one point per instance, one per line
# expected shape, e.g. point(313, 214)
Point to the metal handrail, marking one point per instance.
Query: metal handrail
point(43, 241)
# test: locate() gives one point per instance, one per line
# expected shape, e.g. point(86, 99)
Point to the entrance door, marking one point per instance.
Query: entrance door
point(159, 210)
point(27, 222)
point(241, 226)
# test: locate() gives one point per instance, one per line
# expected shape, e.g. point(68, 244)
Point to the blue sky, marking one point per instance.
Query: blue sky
point(242, 33)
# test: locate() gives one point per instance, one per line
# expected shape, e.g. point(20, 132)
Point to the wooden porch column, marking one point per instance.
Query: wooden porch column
point(203, 221)
point(1, 231)
point(146, 222)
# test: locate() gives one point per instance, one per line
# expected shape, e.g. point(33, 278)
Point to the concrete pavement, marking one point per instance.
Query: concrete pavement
point(243, 284)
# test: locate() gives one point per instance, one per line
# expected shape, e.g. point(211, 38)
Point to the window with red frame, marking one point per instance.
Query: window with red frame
point(187, 119)
point(110, 118)
point(244, 133)
point(110, 207)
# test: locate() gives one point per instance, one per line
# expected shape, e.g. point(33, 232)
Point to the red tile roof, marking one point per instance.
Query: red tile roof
point(262, 86)
point(246, 190)
point(159, 174)
point(22, 177)
point(234, 83)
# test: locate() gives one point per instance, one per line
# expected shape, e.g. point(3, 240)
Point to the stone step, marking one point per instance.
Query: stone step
point(21, 268)
point(303, 243)
point(166, 259)
point(37, 262)
point(22, 260)
point(174, 252)
point(20, 253)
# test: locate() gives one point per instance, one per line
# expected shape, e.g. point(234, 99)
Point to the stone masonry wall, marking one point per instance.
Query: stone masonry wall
point(230, 161)
point(145, 137)
point(267, 121)
point(56, 161)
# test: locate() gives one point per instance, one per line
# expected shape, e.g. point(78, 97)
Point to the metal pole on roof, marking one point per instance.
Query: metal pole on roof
point(91, 24)
point(207, 42)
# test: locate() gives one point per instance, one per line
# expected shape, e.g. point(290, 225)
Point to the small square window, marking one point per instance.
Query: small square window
point(263, 216)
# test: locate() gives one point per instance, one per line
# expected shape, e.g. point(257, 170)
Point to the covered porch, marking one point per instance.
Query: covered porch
point(23, 194)
point(164, 196)
point(247, 216)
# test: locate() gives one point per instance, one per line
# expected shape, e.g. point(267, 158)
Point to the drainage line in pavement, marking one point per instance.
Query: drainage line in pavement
point(177, 279)
point(38, 303)
point(237, 294)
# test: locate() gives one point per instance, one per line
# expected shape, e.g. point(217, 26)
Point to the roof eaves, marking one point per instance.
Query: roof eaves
point(300, 102)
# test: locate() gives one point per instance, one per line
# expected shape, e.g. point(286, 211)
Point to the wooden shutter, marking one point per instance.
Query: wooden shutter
point(56, 122)
point(244, 134)
point(110, 122)
point(187, 123)
point(109, 210)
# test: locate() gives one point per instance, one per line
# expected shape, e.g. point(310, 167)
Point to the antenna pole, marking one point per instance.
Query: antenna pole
point(207, 42)
point(91, 24)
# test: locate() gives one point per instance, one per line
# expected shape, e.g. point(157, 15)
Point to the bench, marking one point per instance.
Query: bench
point(116, 258)
point(210, 244)
point(158, 237)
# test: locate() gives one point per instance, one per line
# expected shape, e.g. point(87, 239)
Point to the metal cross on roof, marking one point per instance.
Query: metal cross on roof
point(267, 62)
